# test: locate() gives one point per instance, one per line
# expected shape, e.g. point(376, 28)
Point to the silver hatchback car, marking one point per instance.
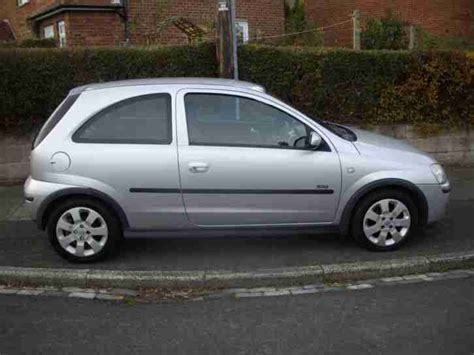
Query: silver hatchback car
point(134, 158)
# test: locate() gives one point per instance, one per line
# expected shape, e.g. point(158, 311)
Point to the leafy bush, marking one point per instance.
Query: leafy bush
point(339, 85)
point(365, 86)
point(38, 43)
point(439, 89)
point(34, 81)
point(427, 41)
point(8, 45)
point(385, 33)
point(31, 43)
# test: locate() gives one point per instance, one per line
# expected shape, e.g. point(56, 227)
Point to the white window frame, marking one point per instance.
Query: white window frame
point(48, 31)
point(23, 2)
point(62, 33)
point(242, 27)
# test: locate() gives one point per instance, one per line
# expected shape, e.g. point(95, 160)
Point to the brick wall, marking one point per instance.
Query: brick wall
point(94, 29)
point(18, 15)
point(14, 158)
point(449, 18)
point(88, 29)
point(265, 17)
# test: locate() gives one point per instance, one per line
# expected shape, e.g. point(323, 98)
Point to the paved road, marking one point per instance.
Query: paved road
point(427, 318)
point(22, 245)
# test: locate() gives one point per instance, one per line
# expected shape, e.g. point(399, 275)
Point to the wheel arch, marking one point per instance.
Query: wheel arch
point(48, 204)
point(399, 184)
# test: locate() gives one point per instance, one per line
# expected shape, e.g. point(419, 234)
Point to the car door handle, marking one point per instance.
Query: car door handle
point(197, 167)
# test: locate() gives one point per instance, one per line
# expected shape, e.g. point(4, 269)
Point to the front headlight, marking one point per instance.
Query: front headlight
point(439, 173)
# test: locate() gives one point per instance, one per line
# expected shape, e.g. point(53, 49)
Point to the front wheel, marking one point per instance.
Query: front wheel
point(83, 230)
point(384, 220)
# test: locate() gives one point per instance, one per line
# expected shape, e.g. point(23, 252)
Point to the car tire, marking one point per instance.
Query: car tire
point(384, 220)
point(83, 230)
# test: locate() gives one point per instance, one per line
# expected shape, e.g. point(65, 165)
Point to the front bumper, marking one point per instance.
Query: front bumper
point(437, 198)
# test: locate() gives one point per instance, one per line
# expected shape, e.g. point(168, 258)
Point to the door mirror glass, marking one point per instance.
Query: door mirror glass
point(315, 140)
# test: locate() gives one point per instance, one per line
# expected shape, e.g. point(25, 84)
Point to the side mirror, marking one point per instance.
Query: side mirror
point(315, 140)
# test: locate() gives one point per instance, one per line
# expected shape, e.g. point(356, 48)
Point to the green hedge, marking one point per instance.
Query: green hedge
point(365, 86)
point(34, 81)
point(339, 85)
point(31, 43)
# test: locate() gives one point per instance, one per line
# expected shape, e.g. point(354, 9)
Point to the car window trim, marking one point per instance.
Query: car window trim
point(309, 129)
point(76, 139)
point(54, 119)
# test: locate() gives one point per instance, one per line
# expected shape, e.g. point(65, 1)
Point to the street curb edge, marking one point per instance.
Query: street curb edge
point(290, 276)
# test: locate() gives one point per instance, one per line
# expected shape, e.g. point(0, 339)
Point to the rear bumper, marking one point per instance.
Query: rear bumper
point(437, 198)
point(36, 192)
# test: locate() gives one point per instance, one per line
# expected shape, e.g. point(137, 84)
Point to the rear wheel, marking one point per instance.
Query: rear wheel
point(384, 220)
point(83, 230)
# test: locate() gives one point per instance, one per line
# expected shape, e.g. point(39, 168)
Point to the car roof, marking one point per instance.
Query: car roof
point(170, 81)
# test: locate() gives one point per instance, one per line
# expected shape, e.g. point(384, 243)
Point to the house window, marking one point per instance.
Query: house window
point(62, 34)
point(23, 2)
point(48, 31)
point(242, 31)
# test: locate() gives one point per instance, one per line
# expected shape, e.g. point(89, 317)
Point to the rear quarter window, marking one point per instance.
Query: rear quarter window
point(54, 119)
point(138, 120)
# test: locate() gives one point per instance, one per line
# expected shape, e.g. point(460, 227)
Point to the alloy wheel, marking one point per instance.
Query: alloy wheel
point(81, 231)
point(386, 222)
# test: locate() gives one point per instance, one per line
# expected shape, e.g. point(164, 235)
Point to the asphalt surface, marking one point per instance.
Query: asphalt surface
point(21, 244)
point(427, 318)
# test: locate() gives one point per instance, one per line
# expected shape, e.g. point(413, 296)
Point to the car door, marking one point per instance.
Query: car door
point(243, 162)
point(128, 150)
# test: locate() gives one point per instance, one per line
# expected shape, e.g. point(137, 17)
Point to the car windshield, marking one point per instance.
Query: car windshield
point(338, 130)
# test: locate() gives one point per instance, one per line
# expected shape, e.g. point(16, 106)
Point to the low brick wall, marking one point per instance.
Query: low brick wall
point(450, 147)
point(14, 158)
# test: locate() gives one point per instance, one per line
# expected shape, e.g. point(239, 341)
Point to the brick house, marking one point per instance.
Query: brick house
point(102, 22)
point(448, 18)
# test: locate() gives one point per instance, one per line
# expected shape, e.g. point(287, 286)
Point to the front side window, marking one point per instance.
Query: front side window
point(226, 120)
point(138, 120)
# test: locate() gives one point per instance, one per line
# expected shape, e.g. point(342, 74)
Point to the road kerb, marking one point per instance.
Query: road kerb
point(290, 276)
point(43, 276)
point(450, 261)
point(146, 279)
point(264, 277)
point(372, 269)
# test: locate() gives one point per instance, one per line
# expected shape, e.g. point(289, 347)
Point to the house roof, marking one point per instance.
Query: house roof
point(6, 33)
point(171, 81)
point(60, 8)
